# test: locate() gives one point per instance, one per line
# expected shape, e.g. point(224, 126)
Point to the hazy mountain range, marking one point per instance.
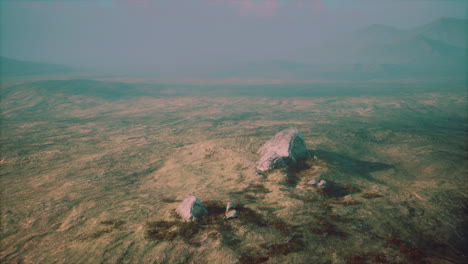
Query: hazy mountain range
point(12, 67)
point(435, 50)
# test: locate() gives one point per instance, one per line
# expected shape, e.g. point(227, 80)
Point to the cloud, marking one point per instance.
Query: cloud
point(268, 8)
point(57, 4)
point(318, 6)
point(260, 7)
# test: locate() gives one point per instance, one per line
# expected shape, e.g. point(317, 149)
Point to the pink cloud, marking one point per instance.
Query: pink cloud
point(144, 3)
point(299, 4)
point(318, 6)
point(261, 7)
point(137, 7)
point(272, 7)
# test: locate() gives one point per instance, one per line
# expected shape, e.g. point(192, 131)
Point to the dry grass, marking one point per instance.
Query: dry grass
point(324, 228)
point(169, 200)
point(113, 223)
point(248, 259)
point(294, 244)
point(257, 188)
point(344, 202)
point(413, 254)
point(369, 258)
point(133, 157)
point(371, 195)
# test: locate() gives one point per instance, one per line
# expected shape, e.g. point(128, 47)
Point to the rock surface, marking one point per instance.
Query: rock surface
point(191, 209)
point(329, 187)
point(314, 182)
point(322, 184)
point(231, 214)
point(231, 211)
point(230, 206)
point(287, 146)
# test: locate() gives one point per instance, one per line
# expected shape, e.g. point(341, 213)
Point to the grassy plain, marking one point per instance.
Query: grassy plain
point(92, 171)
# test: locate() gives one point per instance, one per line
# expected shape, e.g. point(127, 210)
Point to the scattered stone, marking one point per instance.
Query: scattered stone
point(231, 214)
point(231, 211)
point(331, 189)
point(191, 209)
point(314, 182)
point(322, 184)
point(287, 146)
point(230, 206)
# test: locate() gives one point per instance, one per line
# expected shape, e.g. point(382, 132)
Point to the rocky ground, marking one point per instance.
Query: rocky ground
point(96, 179)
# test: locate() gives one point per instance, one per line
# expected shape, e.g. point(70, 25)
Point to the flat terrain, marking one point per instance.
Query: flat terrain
point(92, 172)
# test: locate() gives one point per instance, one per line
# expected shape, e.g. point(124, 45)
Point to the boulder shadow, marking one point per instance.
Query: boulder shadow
point(292, 171)
point(352, 166)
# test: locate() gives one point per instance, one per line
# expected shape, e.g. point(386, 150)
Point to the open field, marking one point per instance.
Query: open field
point(92, 171)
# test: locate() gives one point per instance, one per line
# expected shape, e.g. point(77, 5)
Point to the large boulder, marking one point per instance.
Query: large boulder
point(191, 209)
point(286, 147)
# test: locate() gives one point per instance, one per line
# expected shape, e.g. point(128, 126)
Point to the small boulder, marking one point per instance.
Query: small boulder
point(191, 209)
point(329, 188)
point(231, 211)
point(322, 184)
point(287, 146)
point(231, 214)
point(259, 174)
point(230, 206)
point(314, 182)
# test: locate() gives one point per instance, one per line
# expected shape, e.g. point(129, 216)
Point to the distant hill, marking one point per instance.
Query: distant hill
point(415, 49)
point(452, 31)
point(12, 67)
point(434, 50)
point(377, 33)
point(83, 87)
point(443, 39)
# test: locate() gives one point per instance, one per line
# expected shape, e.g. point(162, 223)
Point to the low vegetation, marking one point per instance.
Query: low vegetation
point(371, 195)
point(92, 170)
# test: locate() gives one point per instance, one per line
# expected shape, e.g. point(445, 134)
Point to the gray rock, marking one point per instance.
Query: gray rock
point(231, 211)
point(322, 184)
point(259, 174)
point(231, 214)
point(287, 146)
point(329, 187)
point(191, 209)
point(230, 206)
point(314, 181)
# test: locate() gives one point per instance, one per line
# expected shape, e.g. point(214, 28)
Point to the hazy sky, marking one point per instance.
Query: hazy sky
point(137, 34)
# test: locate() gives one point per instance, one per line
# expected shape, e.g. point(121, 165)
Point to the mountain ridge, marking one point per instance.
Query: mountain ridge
point(13, 67)
point(375, 51)
point(450, 30)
